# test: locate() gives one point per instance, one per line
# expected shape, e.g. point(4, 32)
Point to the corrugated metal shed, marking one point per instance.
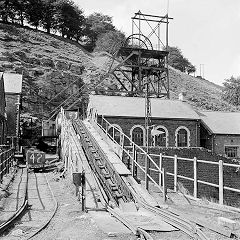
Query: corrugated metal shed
point(221, 122)
point(12, 83)
point(135, 107)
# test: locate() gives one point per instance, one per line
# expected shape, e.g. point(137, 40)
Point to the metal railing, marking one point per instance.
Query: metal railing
point(195, 170)
point(122, 144)
point(6, 162)
point(118, 142)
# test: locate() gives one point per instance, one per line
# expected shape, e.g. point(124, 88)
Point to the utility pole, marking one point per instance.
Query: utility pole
point(147, 125)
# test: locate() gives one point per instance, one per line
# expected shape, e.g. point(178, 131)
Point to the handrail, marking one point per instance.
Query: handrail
point(70, 157)
point(6, 161)
point(134, 149)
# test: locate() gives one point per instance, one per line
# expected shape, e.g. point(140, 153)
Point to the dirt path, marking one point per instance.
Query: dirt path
point(70, 222)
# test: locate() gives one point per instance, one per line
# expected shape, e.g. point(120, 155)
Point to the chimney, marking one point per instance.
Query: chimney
point(181, 96)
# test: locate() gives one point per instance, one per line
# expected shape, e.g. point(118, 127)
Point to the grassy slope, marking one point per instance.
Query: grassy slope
point(47, 62)
point(200, 93)
point(50, 62)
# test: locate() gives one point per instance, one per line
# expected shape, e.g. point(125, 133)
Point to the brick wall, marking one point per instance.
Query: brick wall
point(220, 141)
point(206, 172)
point(2, 112)
point(11, 101)
point(2, 98)
point(171, 124)
point(217, 142)
point(206, 140)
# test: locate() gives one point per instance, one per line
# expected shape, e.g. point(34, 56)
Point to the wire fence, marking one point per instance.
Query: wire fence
point(6, 161)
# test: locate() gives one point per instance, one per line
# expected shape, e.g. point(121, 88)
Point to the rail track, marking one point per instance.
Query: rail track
point(34, 210)
point(116, 191)
point(106, 197)
point(18, 203)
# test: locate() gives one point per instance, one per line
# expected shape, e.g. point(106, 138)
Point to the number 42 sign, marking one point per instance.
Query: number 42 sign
point(35, 157)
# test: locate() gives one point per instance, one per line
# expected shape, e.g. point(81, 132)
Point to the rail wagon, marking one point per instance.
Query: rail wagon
point(35, 159)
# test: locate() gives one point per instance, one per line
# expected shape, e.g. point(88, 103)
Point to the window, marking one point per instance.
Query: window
point(231, 151)
point(137, 134)
point(117, 134)
point(161, 139)
point(182, 137)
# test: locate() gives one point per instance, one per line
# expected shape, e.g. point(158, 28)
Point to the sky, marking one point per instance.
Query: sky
point(206, 31)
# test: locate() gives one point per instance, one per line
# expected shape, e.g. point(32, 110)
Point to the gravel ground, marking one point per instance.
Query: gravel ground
point(202, 210)
point(12, 197)
point(70, 222)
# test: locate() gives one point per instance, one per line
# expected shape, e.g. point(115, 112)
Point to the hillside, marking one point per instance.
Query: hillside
point(200, 93)
point(49, 63)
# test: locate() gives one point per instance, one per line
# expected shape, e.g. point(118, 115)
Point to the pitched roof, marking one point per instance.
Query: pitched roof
point(12, 83)
point(135, 107)
point(221, 122)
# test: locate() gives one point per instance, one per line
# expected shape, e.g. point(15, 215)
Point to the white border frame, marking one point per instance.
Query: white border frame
point(140, 126)
point(231, 146)
point(188, 135)
point(167, 135)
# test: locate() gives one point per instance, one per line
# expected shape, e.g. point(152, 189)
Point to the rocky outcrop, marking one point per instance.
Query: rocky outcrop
point(48, 65)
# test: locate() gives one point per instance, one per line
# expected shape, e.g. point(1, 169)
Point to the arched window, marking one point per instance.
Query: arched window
point(161, 139)
point(137, 135)
point(182, 136)
point(116, 130)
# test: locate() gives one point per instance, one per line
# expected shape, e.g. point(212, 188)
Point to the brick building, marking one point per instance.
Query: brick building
point(13, 90)
point(2, 111)
point(220, 132)
point(180, 125)
point(177, 122)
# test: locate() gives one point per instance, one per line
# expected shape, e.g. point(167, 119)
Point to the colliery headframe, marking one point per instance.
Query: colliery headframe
point(139, 66)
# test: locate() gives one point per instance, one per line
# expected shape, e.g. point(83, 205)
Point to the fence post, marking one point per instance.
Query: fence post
point(1, 167)
point(146, 171)
point(164, 184)
point(133, 160)
point(160, 167)
point(106, 130)
point(8, 157)
point(83, 191)
point(195, 177)
point(128, 160)
point(175, 173)
point(221, 182)
point(5, 163)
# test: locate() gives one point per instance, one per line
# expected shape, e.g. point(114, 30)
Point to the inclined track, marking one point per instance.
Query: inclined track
point(116, 187)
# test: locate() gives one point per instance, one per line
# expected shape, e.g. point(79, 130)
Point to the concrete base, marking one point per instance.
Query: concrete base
point(108, 224)
point(222, 221)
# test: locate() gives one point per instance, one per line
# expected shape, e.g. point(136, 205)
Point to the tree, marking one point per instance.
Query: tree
point(19, 8)
point(178, 61)
point(49, 20)
point(110, 41)
point(6, 10)
point(97, 24)
point(231, 91)
point(34, 12)
point(70, 19)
